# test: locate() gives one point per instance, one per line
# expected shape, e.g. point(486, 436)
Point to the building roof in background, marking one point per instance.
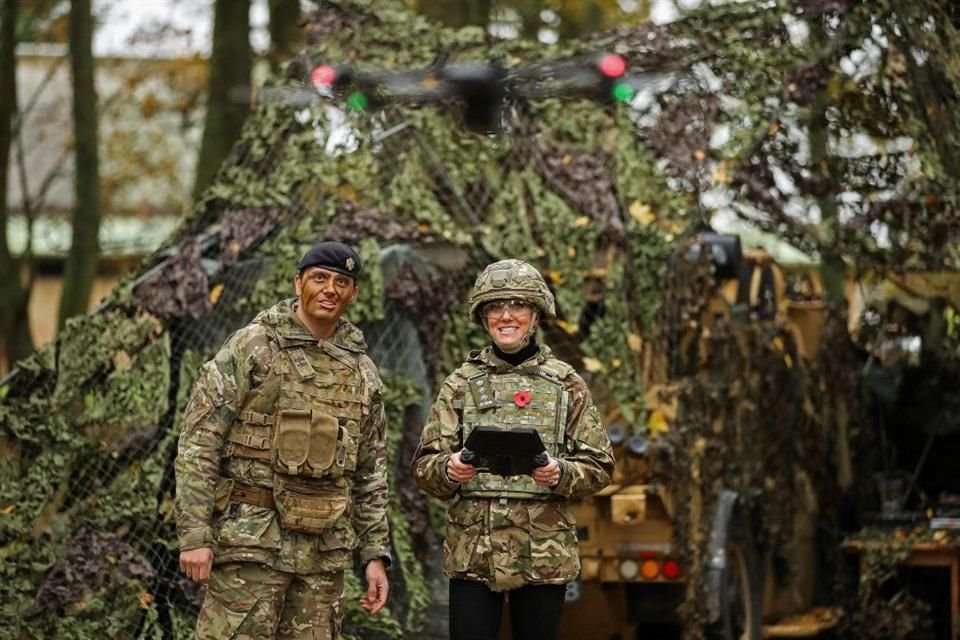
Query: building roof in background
point(120, 237)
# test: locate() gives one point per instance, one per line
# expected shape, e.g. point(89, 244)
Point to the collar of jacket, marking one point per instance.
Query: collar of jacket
point(291, 331)
point(487, 358)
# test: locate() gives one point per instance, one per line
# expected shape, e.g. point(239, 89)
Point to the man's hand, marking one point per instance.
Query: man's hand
point(377, 587)
point(549, 475)
point(458, 471)
point(196, 563)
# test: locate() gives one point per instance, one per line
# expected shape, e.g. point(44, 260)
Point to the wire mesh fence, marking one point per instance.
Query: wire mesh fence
point(89, 425)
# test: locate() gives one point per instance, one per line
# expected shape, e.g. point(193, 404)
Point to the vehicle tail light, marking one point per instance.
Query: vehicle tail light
point(671, 570)
point(650, 569)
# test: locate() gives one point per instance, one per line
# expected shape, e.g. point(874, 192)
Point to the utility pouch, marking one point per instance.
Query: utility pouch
point(306, 443)
point(309, 507)
point(221, 498)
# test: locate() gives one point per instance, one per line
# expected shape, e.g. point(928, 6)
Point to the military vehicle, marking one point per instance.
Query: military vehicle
point(640, 571)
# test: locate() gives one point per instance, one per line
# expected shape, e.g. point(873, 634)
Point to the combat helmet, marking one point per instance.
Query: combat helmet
point(511, 279)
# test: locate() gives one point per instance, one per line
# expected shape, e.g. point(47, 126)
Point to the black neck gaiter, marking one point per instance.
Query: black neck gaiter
point(513, 359)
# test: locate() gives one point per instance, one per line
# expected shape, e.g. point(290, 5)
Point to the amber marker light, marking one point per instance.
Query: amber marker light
point(650, 569)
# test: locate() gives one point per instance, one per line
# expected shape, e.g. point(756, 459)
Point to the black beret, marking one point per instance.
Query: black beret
point(334, 256)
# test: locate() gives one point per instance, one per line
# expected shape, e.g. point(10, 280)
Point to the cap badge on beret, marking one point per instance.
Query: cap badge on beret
point(350, 264)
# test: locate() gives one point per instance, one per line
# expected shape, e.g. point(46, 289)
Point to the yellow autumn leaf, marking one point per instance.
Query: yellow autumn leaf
point(569, 327)
point(720, 174)
point(347, 192)
point(556, 276)
point(7, 510)
point(571, 251)
point(592, 365)
point(582, 221)
point(635, 342)
point(215, 293)
point(166, 508)
point(146, 599)
point(778, 343)
point(122, 360)
point(642, 213)
point(657, 422)
point(616, 362)
point(567, 159)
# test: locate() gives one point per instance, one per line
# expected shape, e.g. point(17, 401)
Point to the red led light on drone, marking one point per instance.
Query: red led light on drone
point(612, 65)
point(323, 76)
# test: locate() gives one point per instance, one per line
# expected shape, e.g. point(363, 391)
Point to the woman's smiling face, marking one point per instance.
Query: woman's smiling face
point(508, 322)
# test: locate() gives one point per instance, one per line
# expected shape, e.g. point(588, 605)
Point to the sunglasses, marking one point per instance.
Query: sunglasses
point(516, 308)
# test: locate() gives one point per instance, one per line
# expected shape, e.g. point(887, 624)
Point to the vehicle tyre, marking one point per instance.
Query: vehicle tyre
point(741, 589)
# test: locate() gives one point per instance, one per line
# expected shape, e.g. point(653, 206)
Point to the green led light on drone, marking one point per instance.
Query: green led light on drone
point(356, 101)
point(623, 92)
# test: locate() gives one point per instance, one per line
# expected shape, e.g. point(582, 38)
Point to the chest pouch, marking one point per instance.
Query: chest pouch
point(309, 443)
point(309, 507)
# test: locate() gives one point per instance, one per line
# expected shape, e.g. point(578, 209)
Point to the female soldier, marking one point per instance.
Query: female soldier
point(514, 534)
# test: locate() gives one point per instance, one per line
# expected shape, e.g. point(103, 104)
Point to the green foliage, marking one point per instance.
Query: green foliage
point(508, 232)
point(569, 246)
point(609, 343)
point(133, 394)
point(461, 336)
point(401, 393)
point(107, 614)
point(368, 306)
point(97, 344)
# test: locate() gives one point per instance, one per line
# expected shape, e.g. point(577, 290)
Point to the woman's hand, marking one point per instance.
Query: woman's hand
point(458, 471)
point(549, 475)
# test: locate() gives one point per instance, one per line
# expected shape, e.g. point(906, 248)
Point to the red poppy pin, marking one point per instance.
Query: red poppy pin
point(521, 398)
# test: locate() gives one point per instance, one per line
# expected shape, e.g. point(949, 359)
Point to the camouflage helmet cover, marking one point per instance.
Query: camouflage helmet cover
point(511, 280)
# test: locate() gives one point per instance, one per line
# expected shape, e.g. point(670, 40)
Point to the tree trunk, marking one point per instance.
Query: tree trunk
point(81, 266)
point(286, 34)
point(531, 22)
point(14, 319)
point(228, 88)
point(832, 266)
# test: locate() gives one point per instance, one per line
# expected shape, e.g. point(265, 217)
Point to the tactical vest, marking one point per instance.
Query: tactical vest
point(491, 400)
point(304, 420)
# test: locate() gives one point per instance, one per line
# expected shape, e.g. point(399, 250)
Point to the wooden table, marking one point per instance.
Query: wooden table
point(931, 554)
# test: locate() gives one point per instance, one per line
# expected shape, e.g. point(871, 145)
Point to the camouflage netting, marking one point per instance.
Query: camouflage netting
point(595, 195)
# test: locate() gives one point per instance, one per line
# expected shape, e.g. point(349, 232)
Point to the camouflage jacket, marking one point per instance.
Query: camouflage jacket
point(510, 542)
point(249, 532)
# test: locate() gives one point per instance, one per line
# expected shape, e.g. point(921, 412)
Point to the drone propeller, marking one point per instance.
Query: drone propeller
point(481, 89)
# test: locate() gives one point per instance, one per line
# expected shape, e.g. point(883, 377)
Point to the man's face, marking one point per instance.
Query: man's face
point(324, 295)
point(508, 321)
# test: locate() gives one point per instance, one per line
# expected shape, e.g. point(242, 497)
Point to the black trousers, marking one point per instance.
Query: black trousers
point(475, 611)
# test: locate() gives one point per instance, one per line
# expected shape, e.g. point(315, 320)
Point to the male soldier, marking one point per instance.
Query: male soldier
point(281, 472)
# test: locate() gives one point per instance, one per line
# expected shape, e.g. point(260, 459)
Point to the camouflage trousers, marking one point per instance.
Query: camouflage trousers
point(249, 601)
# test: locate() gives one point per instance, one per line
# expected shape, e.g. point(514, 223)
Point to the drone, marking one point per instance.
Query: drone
point(481, 90)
